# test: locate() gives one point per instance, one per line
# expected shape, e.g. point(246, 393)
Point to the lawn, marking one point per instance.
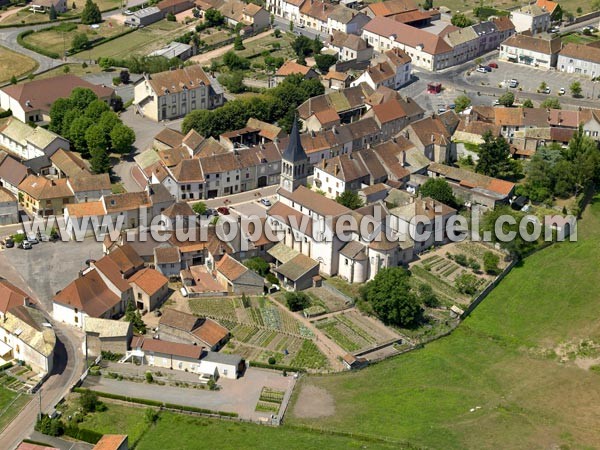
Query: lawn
point(59, 39)
point(141, 42)
point(12, 63)
point(497, 381)
point(7, 413)
point(174, 431)
point(26, 16)
point(579, 38)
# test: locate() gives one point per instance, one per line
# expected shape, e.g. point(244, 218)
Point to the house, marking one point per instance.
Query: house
point(175, 50)
point(9, 207)
point(222, 365)
point(336, 80)
point(23, 335)
point(389, 8)
point(87, 296)
point(426, 50)
point(346, 20)
point(556, 12)
point(31, 101)
point(291, 67)
point(433, 137)
point(60, 6)
point(168, 355)
point(12, 173)
point(465, 43)
point(579, 59)
point(352, 362)
point(286, 9)
point(172, 94)
point(511, 120)
point(167, 260)
point(167, 138)
point(349, 46)
point(112, 442)
point(150, 288)
point(531, 18)
point(174, 6)
point(44, 197)
point(249, 15)
point(178, 326)
point(394, 115)
point(28, 143)
point(530, 50)
point(491, 33)
point(473, 187)
point(66, 164)
point(88, 187)
point(105, 335)
point(237, 278)
point(393, 71)
point(144, 17)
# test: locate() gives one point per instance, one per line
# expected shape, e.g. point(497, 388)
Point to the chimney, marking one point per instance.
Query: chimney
point(323, 163)
point(432, 138)
point(336, 169)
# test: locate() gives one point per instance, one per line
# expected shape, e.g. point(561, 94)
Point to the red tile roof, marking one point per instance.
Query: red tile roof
point(149, 280)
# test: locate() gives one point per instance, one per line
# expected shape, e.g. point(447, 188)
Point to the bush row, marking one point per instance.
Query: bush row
point(7, 365)
point(34, 48)
point(83, 434)
point(145, 401)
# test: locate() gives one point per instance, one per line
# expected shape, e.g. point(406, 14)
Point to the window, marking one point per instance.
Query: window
point(139, 295)
point(346, 261)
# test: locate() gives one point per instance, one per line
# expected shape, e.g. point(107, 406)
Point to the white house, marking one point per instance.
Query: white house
point(393, 70)
point(532, 51)
point(349, 46)
point(531, 18)
point(28, 143)
point(286, 9)
point(579, 59)
point(346, 19)
point(222, 365)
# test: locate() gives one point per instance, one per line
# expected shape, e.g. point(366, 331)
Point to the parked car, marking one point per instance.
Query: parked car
point(493, 65)
point(9, 243)
point(265, 201)
point(482, 70)
point(554, 30)
point(32, 239)
point(496, 102)
point(546, 91)
point(513, 83)
point(128, 12)
point(26, 245)
point(223, 210)
point(452, 106)
point(562, 91)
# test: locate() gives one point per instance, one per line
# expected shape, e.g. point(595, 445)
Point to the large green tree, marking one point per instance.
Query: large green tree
point(95, 109)
point(122, 138)
point(349, 199)
point(91, 13)
point(438, 189)
point(57, 112)
point(324, 62)
point(461, 103)
point(100, 162)
point(461, 21)
point(391, 297)
point(77, 131)
point(494, 157)
point(96, 138)
point(507, 99)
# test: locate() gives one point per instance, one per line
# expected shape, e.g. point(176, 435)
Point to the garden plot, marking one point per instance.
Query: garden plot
point(270, 400)
point(216, 308)
point(321, 296)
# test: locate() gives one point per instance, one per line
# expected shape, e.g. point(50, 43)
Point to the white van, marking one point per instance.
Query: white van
point(183, 291)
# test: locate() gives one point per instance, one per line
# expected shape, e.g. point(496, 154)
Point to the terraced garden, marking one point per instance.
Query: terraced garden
point(270, 400)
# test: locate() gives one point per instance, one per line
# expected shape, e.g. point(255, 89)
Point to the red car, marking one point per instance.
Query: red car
point(493, 65)
point(223, 210)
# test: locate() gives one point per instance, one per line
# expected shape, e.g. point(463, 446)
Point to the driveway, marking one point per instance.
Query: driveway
point(239, 396)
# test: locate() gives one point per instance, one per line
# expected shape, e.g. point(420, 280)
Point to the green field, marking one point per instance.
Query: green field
point(12, 63)
point(140, 42)
point(7, 413)
point(174, 431)
point(502, 359)
point(25, 16)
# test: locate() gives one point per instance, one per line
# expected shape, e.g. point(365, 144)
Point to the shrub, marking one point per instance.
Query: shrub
point(461, 259)
point(272, 360)
point(296, 301)
point(50, 427)
point(171, 17)
point(88, 400)
point(149, 377)
point(151, 415)
point(490, 263)
point(466, 283)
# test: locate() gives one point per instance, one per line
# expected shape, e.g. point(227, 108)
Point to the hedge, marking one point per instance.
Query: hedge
point(7, 365)
point(35, 48)
point(276, 367)
point(83, 434)
point(145, 401)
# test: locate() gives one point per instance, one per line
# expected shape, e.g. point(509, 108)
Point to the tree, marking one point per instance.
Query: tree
point(171, 17)
point(277, 33)
point(461, 21)
point(490, 263)
point(438, 189)
point(124, 76)
point(91, 13)
point(427, 296)
point(133, 315)
point(238, 44)
point(235, 62)
point(302, 46)
point(88, 400)
point(542, 86)
point(297, 301)
point(95, 138)
point(13, 80)
point(575, 89)
point(199, 208)
point(52, 15)
point(527, 103)
point(213, 17)
point(390, 296)
point(151, 416)
point(324, 62)
point(108, 120)
point(273, 62)
point(234, 81)
point(550, 103)
point(466, 283)
point(517, 247)
point(258, 265)
point(507, 99)
point(427, 5)
point(82, 97)
point(99, 162)
point(461, 103)
point(149, 377)
point(291, 27)
point(95, 109)
point(116, 103)
point(317, 45)
point(77, 133)
point(122, 138)
point(494, 157)
point(349, 199)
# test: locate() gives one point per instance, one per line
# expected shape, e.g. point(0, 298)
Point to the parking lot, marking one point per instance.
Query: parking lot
point(239, 396)
point(530, 79)
point(49, 266)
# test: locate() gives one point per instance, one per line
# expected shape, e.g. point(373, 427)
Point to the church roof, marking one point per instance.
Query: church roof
point(294, 152)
